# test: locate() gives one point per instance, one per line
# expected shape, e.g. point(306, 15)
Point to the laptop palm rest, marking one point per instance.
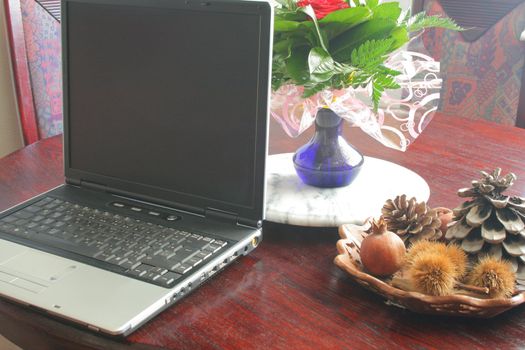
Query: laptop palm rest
point(34, 271)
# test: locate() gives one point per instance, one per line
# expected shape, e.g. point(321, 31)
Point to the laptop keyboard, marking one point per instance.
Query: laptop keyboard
point(136, 248)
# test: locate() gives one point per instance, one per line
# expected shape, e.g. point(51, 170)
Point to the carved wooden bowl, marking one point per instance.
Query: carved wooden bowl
point(454, 305)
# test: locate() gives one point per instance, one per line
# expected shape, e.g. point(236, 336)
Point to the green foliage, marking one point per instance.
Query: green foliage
point(421, 21)
point(343, 20)
point(342, 46)
point(371, 53)
point(388, 10)
point(346, 48)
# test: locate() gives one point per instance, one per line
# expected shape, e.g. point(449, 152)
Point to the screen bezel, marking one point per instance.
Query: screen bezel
point(249, 213)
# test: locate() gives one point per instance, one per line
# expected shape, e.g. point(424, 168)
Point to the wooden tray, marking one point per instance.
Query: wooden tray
point(454, 305)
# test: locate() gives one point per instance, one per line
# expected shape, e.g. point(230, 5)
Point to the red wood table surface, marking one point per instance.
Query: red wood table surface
point(288, 294)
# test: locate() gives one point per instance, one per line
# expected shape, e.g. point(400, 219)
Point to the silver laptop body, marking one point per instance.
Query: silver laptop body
point(165, 126)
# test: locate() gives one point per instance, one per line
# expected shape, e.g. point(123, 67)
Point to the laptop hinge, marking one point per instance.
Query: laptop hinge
point(93, 186)
point(232, 218)
point(73, 182)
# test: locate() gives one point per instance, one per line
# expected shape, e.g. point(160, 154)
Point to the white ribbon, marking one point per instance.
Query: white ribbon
point(403, 113)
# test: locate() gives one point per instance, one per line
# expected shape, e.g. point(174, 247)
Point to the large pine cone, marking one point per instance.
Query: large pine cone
point(411, 220)
point(491, 222)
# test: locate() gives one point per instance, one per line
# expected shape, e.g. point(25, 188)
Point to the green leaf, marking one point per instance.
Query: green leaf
point(342, 46)
point(285, 26)
point(282, 46)
point(377, 93)
point(310, 12)
point(340, 21)
point(278, 71)
point(421, 21)
point(320, 65)
point(390, 10)
point(371, 53)
point(400, 37)
point(290, 16)
point(309, 91)
point(379, 84)
point(387, 71)
point(372, 3)
point(297, 65)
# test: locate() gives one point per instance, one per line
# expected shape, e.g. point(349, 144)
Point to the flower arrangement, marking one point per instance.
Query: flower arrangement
point(338, 44)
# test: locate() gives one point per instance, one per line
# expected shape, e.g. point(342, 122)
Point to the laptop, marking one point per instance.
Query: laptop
point(165, 138)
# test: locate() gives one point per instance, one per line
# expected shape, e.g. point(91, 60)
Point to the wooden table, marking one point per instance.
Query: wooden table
point(288, 294)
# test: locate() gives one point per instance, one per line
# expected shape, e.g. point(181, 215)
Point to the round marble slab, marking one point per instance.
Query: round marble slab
point(290, 201)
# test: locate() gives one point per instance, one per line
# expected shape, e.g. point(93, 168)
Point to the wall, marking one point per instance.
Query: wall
point(10, 132)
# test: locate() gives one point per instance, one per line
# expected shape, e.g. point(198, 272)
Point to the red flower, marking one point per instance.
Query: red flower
point(324, 7)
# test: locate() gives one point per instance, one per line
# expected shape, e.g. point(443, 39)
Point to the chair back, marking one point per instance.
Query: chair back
point(482, 68)
point(34, 38)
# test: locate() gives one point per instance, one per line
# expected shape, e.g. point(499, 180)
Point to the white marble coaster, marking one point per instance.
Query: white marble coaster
point(290, 201)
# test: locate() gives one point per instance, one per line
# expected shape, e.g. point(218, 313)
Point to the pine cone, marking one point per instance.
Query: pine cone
point(491, 223)
point(411, 220)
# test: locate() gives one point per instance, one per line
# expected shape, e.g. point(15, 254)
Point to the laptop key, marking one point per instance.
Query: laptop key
point(159, 270)
point(203, 254)
point(159, 262)
point(194, 244)
point(9, 219)
point(184, 254)
point(182, 269)
point(31, 225)
point(6, 227)
point(33, 209)
point(21, 222)
point(127, 264)
point(135, 272)
point(37, 218)
point(212, 247)
point(53, 231)
point(150, 276)
point(144, 267)
point(23, 214)
point(193, 261)
point(168, 278)
point(208, 239)
point(221, 243)
point(48, 221)
point(135, 256)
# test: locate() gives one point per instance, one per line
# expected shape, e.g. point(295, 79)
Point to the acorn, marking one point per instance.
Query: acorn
point(382, 252)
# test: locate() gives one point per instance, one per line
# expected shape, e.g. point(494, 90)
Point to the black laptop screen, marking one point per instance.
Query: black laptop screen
point(165, 98)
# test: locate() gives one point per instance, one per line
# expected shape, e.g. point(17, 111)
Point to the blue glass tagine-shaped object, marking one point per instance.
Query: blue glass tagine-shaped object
point(327, 160)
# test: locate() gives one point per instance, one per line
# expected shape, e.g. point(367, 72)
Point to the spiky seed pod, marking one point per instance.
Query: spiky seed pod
point(456, 255)
point(422, 246)
point(458, 258)
point(494, 274)
point(411, 220)
point(432, 273)
point(491, 223)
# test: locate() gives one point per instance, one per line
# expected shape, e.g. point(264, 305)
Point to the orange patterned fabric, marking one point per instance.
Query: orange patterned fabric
point(482, 79)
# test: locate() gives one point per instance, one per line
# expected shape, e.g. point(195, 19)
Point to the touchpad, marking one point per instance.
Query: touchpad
point(38, 267)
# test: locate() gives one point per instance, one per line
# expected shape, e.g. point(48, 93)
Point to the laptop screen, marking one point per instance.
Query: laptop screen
point(165, 98)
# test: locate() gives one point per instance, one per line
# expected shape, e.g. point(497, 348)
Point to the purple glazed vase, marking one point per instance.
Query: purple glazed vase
point(327, 160)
